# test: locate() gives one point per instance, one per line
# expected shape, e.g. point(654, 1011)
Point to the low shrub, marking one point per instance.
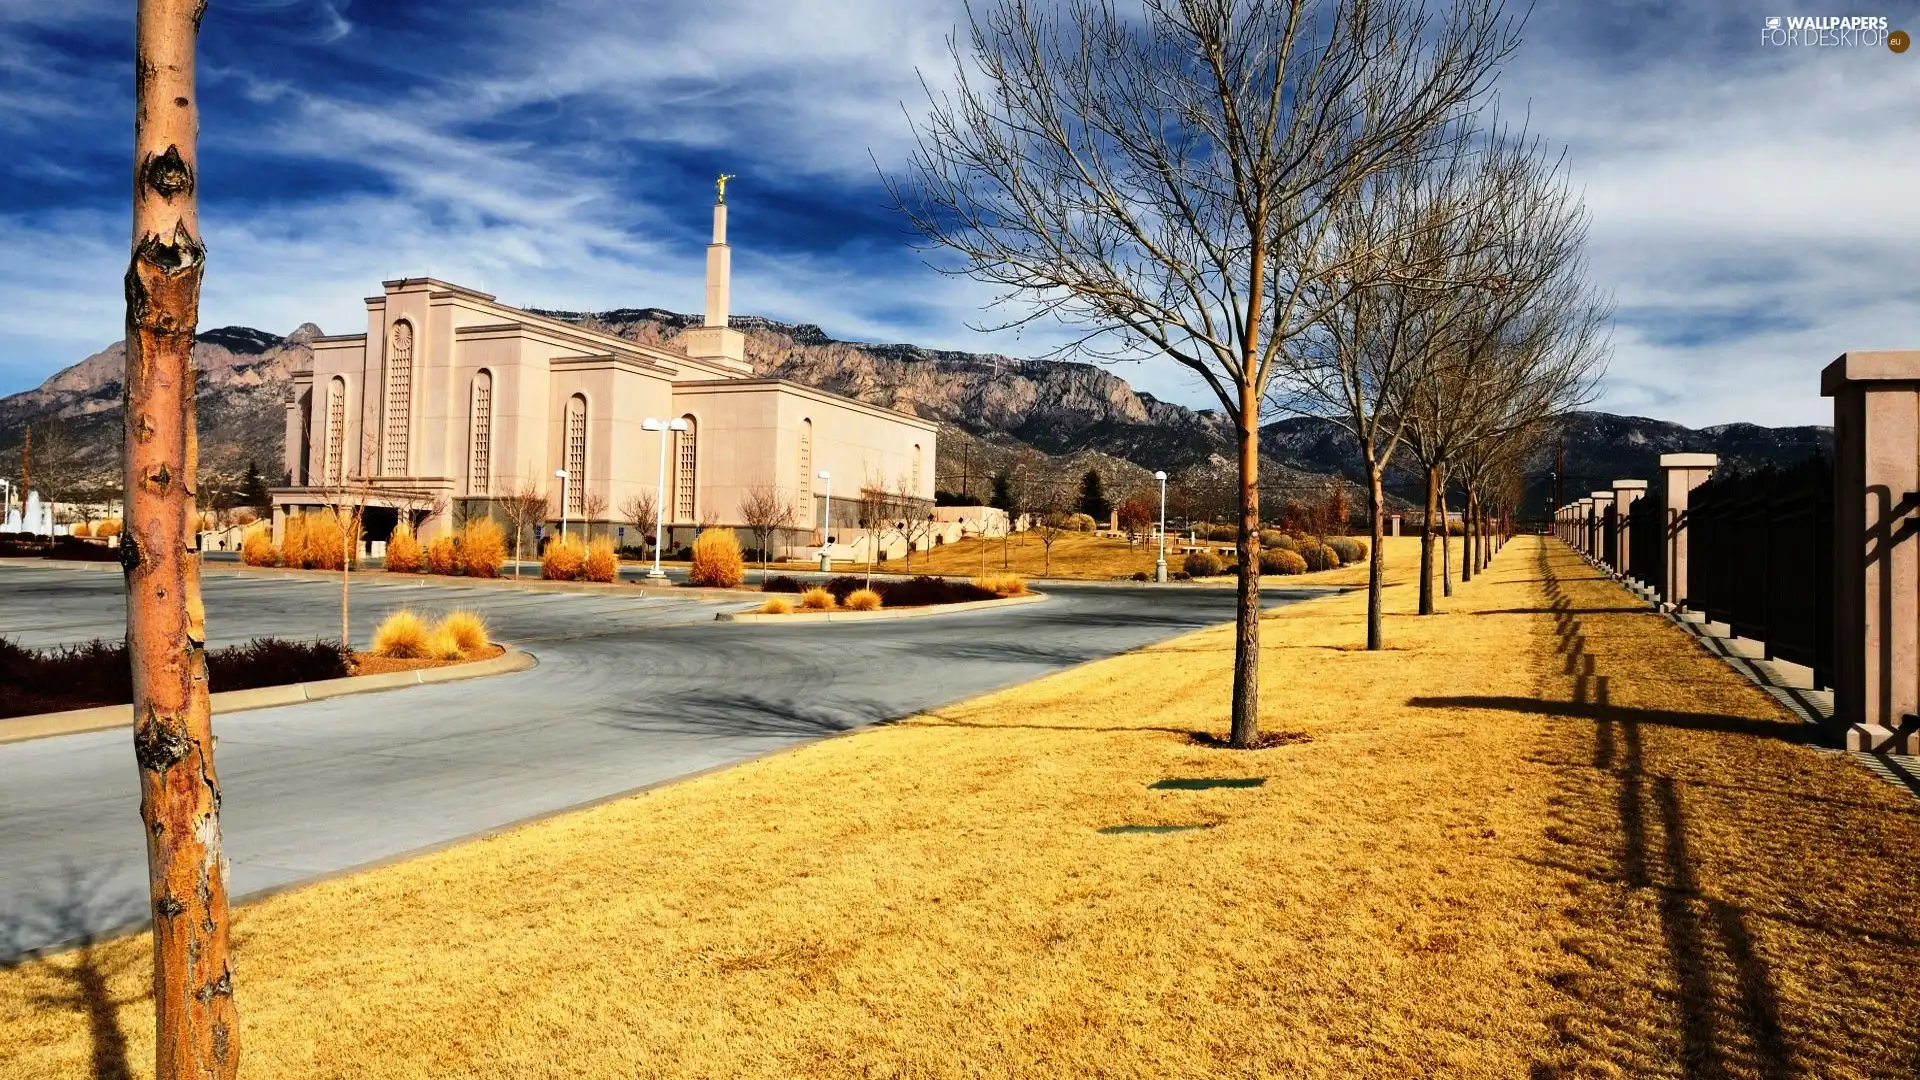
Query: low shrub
point(1281, 542)
point(276, 662)
point(717, 562)
point(1082, 523)
point(326, 540)
point(403, 551)
point(565, 559)
point(109, 527)
point(1142, 575)
point(863, 600)
point(1271, 538)
point(777, 604)
point(401, 636)
point(256, 546)
point(1350, 550)
point(443, 555)
point(601, 563)
point(76, 550)
point(80, 529)
point(469, 630)
point(782, 583)
point(293, 542)
point(1002, 584)
point(817, 599)
point(1282, 561)
point(441, 644)
point(1319, 556)
point(483, 548)
point(1223, 534)
point(1200, 564)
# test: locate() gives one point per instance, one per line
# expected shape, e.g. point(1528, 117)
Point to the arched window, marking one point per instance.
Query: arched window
point(334, 448)
point(480, 428)
point(915, 493)
point(576, 452)
point(686, 473)
point(399, 396)
point(806, 472)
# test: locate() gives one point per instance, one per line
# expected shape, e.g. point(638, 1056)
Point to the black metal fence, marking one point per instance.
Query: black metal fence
point(1760, 558)
point(1649, 537)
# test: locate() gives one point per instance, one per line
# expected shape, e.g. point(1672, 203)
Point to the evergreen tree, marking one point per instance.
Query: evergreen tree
point(1002, 498)
point(1093, 499)
point(253, 489)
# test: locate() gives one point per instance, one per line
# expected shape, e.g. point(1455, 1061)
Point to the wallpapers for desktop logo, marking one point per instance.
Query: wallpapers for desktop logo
point(1832, 30)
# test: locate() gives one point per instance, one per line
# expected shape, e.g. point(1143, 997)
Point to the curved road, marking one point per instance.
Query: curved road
point(629, 692)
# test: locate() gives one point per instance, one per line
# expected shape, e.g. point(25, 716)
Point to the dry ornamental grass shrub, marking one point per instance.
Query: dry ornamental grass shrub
point(293, 542)
point(442, 556)
point(80, 529)
point(601, 562)
point(1319, 556)
point(483, 548)
point(1003, 585)
point(440, 644)
point(1082, 523)
point(256, 548)
point(401, 636)
point(717, 562)
point(403, 551)
point(817, 599)
point(1201, 564)
point(109, 527)
point(777, 605)
point(1282, 561)
point(564, 560)
point(469, 631)
point(863, 600)
point(326, 541)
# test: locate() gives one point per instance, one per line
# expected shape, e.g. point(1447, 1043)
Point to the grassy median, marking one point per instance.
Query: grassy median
point(1543, 835)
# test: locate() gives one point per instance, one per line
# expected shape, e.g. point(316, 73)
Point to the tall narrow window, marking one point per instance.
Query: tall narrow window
point(576, 452)
point(399, 396)
point(806, 472)
point(916, 471)
point(688, 470)
point(480, 424)
point(335, 446)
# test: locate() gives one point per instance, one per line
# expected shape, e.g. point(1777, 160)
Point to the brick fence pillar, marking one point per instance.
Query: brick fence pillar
point(1684, 472)
point(1876, 547)
point(1625, 494)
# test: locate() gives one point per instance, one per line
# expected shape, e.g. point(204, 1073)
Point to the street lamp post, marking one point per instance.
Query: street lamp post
point(826, 524)
point(562, 474)
point(1160, 564)
point(660, 493)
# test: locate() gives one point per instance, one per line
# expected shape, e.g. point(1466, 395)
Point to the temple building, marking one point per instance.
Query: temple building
point(451, 400)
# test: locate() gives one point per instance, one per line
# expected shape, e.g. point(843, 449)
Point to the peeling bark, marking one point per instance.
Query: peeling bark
point(194, 1016)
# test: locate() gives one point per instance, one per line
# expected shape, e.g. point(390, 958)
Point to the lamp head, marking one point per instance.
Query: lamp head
point(677, 425)
point(561, 473)
point(825, 475)
point(650, 424)
point(1160, 476)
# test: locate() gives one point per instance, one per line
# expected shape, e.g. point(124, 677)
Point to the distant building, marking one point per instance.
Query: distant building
point(451, 401)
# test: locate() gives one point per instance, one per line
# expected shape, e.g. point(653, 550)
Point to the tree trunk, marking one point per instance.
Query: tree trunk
point(195, 1023)
point(1376, 562)
point(1469, 523)
point(1246, 645)
point(1426, 540)
point(1446, 541)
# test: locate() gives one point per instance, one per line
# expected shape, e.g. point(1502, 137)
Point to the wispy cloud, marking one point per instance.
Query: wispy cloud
point(1749, 205)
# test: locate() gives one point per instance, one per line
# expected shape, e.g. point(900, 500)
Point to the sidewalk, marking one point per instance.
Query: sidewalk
point(1543, 834)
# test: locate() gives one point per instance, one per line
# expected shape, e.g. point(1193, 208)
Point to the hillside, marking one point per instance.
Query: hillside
point(1052, 418)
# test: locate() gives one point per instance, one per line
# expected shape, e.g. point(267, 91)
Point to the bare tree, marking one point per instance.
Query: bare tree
point(1051, 505)
point(875, 506)
point(1165, 181)
point(522, 508)
point(915, 522)
point(642, 511)
point(1137, 517)
point(765, 510)
point(196, 1024)
point(593, 507)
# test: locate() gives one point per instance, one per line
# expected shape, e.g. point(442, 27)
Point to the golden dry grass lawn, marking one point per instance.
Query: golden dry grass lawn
point(1543, 836)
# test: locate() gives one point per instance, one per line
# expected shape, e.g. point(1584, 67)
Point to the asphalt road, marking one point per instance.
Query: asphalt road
point(629, 691)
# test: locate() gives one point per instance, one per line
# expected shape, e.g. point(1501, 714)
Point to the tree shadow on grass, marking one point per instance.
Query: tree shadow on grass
point(64, 920)
point(1690, 721)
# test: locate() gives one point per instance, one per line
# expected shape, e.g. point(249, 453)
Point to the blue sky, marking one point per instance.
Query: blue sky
point(1754, 208)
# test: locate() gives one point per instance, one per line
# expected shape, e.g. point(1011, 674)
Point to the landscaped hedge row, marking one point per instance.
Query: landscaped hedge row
point(97, 673)
point(916, 592)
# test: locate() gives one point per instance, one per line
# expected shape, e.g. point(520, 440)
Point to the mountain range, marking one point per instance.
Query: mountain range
point(1061, 418)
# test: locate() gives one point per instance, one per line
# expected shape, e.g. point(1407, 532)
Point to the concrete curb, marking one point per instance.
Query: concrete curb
point(101, 718)
point(883, 613)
